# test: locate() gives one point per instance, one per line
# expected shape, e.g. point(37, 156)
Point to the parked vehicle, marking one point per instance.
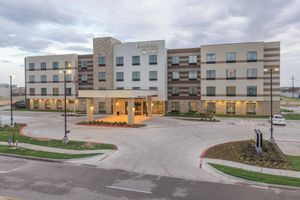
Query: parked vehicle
point(278, 120)
point(19, 104)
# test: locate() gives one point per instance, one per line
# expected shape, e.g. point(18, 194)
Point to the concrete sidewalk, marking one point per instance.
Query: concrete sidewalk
point(279, 172)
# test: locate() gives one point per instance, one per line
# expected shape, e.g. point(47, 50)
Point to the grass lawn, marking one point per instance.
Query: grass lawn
point(295, 160)
point(41, 154)
point(243, 116)
point(6, 134)
point(259, 177)
point(292, 116)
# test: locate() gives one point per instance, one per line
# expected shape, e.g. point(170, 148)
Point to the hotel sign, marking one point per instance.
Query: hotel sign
point(147, 47)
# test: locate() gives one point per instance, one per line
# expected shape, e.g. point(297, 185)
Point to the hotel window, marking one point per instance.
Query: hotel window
point(211, 107)
point(210, 74)
point(43, 78)
point(84, 77)
point(68, 91)
point(192, 107)
point(31, 66)
point(175, 76)
point(251, 91)
point(120, 88)
point(152, 88)
point(175, 60)
point(192, 60)
point(55, 91)
point(47, 104)
point(175, 91)
point(135, 60)
point(230, 91)
point(31, 79)
point(120, 61)
point(101, 61)
point(230, 57)
point(102, 88)
point(68, 77)
point(152, 59)
point(102, 76)
point(135, 76)
point(84, 64)
point(32, 91)
point(119, 76)
point(251, 108)
point(55, 78)
point(175, 106)
point(230, 108)
point(44, 91)
point(192, 91)
point(102, 107)
point(59, 105)
point(36, 104)
point(211, 91)
point(43, 66)
point(192, 75)
point(210, 58)
point(251, 56)
point(136, 88)
point(152, 75)
point(230, 74)
point(55, 65)
point(252, 73)
point(67, 64)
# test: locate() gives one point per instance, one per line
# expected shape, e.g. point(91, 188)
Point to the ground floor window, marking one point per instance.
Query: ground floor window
point(102, 107)
point(192, 107)
point(175, 106)
point(59, 105)
point(36, 104)
point(47, 104)
point(251, 108)
point(157, 107)
point(230, 108)
point(211, 107)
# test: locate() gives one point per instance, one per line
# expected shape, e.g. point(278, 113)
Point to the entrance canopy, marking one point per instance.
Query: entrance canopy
point(117, 93)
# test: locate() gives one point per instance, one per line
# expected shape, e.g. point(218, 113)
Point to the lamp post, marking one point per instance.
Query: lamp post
point(65, 72)
point(271, 99)
point(11, 103)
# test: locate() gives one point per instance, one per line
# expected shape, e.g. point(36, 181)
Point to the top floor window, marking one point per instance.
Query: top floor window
point(193, 60)
point(43, 65)
point(84, 64)
point(31, 66)
point(67, 64)
point(120, 61)
point(252, 73)
point(152, 59)
point(210, 58)
point(251, 56)
point(210, 74)
point(55, 65)
point(119, 76)
point(101, 61)
point(135, 60)
point(230, 57)
point(175, 60)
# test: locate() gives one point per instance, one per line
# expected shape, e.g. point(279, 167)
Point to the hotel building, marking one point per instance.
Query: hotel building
point(146, 78)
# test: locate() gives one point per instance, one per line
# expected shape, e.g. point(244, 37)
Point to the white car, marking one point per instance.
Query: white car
point(278, 119)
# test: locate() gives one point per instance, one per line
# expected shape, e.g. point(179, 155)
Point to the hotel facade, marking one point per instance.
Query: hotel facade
point(146, 78)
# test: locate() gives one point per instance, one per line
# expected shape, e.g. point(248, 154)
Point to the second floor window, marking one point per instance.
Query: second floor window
point(230, 57)
point(252, 73)
point(119, 76)
point(68, 77)
point(135, 60)
point(135, 76)
point(210, 58)
point(55, 78)
point(175, 60)
point(120, 61)
point(251, 91)
point(152, 75)
point(43, 66)
point(101, 61)
point(102, 76)
point(55, 65)
point(68, 64)
point(84, 64)
point(152, 59)
point(230, 91)
point(68, 91)
point(43, 91)
point(31, 78)
point(84, 77)
point(136, 88)
point(175, 76)
point(55, 91)
point(211, 91)
point(192, 60)
point(230, 74)
point(43, 78)
point(210, 74)
point(175, 91)
point(192, 91)
point(31, 66)
point(251, 56)
point(32, 91)
point(152, 88)
point(192, 75)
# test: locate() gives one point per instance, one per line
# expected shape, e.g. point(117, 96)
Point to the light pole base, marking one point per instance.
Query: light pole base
point(65, 139)
point(272, 140)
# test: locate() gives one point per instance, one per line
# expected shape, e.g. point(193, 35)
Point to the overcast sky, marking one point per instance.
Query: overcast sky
point(33, 27)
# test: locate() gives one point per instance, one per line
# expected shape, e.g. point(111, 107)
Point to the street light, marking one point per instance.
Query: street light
point(271, 98)
point(11, 103)
point(65, 72)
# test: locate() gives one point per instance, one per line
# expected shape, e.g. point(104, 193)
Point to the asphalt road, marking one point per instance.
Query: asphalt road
point(35, 180)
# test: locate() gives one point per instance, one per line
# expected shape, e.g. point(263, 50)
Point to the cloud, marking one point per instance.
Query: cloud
point(5, 61)
point(79, 48)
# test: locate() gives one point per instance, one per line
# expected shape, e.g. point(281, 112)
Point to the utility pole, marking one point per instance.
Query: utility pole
point(293, 87)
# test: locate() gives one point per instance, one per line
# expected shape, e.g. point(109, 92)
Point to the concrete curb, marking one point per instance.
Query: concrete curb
point(33, 158)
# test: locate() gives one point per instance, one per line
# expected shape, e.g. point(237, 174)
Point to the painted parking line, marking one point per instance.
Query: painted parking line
point(129, 189)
